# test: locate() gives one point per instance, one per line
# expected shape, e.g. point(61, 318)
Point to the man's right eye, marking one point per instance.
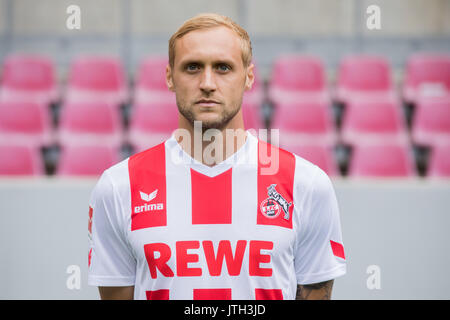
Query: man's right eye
point(192, 67)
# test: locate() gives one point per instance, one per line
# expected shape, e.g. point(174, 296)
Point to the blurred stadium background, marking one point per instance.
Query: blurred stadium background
point(370, 107)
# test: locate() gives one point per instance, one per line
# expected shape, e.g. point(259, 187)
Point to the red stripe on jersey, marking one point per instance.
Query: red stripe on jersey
point(276, 169)
point(268, 294)
point(212, 294)
point(338, 249)
point(147, 172)
point(91, 212)
point(162, 294)
point(211, 198)
point(89, 257)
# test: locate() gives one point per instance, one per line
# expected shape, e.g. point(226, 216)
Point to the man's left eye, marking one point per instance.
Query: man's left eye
point(223, 67)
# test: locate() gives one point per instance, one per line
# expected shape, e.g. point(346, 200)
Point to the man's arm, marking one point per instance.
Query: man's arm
point(315, 291)
point(116, 293)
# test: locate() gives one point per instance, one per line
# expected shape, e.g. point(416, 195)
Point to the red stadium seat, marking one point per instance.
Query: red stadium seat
point(152, 122)
point(373, 120)
point(304, 122)
point(382, 160)
point(321, 155)
point(252, 116)
point(431, 121)
point(28, 78)
point(428, 75)
point(363, 75)
point(439, 161)
point(25, 123)
point(82, 122)
point(150, 81)
point(86, 160)
point(298, 77)
point(20, 160)
point(97, 78)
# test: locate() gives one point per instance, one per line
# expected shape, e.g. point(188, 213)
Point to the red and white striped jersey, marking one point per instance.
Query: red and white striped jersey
point(178, 229)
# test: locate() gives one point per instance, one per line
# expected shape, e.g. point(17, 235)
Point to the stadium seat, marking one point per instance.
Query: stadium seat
point(86, 160)
point(152, 122)
point(365, 119)
point(321, 155)
point(426, 75)
point(304, 122)
point(82, 122)
point(298, 77)
point(19, 159)
point(382, 160)
point(97, 78)
point(150, 81)
point(431, 121)
point(25, 123)
point(439, 161)
point(252, 115)
point(360, 76)
point(28, 78)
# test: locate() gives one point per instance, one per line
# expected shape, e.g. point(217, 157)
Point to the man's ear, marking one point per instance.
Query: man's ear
point(250, 77)
point(169, 79)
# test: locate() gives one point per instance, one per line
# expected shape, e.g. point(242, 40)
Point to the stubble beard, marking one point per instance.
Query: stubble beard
point(226, 115)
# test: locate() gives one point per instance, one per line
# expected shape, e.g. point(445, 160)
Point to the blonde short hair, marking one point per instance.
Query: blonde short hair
point(211, 20)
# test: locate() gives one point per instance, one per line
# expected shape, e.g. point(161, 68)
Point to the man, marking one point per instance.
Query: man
point(242, 220)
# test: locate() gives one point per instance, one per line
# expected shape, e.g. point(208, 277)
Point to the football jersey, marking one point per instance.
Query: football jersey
point(250, 227)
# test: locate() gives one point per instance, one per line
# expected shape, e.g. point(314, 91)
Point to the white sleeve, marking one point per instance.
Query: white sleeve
point(319, 253)
point(111, 262)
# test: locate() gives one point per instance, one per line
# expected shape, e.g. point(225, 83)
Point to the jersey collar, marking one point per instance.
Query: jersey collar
point(241, 156)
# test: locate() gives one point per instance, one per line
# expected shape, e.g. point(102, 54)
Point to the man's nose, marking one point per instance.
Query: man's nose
point(208, 83)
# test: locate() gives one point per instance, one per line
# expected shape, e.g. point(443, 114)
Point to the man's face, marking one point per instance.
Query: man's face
point(209, 77)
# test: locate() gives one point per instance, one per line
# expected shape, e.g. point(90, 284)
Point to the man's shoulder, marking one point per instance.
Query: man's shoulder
point(147, 157)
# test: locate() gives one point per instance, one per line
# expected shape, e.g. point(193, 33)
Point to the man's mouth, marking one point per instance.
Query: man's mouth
point(207, 102)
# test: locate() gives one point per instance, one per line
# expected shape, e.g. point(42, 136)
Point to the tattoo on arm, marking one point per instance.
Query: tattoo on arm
point(315, 291)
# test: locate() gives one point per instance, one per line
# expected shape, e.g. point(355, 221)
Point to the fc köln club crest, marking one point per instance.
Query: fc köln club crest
point(274, 204)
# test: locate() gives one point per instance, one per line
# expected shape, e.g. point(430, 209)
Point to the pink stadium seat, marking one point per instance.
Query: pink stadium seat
point(363, 75)
point(298, 77)
point(28, 78)
point(373, 120)
point(97, 78)
point(439, 161)
point(252, 116)
point(321, 155)
point(20, 160)
point(82, 122)
point(304, 121)
point(25, 123)
point(382, 160)
point(152, 120)
point(431, 121)
point(86, 160)
point(426, 74)
point(150, 81)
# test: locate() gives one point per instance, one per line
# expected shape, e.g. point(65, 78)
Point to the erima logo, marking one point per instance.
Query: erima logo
point(148, 207)
point(148, 197)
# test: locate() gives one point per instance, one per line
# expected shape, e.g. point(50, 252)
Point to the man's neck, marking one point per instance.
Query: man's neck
point(211, 146)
